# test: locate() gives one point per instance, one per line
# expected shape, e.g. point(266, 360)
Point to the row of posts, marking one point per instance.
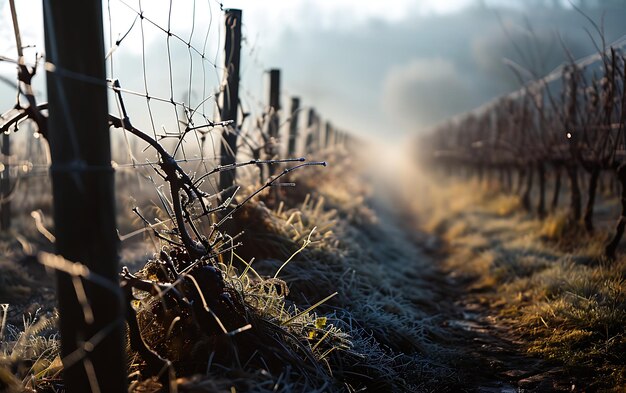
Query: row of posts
point(230, 101)
point(83, 181)
point(315, 141)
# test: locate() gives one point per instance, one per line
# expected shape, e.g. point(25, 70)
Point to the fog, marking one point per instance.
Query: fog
point(402, 76)
point(374, 70)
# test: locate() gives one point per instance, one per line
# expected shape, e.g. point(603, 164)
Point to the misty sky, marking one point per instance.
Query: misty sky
point(400, 71)
point(379, 67)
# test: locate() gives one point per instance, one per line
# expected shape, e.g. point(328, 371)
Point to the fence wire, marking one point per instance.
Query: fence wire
point(164, 79)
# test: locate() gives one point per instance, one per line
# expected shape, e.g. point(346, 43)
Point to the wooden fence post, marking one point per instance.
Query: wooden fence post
point(83, 196)
point(230, 95)
point(293, 126)
point(310, 120)
point(274, 101)
point(5, 184)
point(329, 128)
point(274, 120)
point(317, 127)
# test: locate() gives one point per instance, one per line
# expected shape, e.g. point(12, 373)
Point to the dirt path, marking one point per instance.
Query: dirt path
point(483, 350)
point(492, 357)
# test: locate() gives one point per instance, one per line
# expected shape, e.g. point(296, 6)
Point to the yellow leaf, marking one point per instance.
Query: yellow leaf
point(320, 322)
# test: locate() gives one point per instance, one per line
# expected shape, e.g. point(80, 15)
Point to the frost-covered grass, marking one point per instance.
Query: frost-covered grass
point(336, 297)
point(545, 278)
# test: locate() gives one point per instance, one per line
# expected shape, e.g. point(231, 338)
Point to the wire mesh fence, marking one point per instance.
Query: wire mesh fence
point(168, 74)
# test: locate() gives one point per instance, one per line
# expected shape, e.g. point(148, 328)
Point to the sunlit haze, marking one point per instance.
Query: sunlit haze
point(375, 67)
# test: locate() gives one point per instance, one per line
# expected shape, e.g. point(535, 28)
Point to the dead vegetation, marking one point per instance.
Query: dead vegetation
point(550, 285)
point(322, 295)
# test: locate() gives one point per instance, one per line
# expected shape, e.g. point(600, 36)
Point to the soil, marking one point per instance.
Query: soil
point(492, 357)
